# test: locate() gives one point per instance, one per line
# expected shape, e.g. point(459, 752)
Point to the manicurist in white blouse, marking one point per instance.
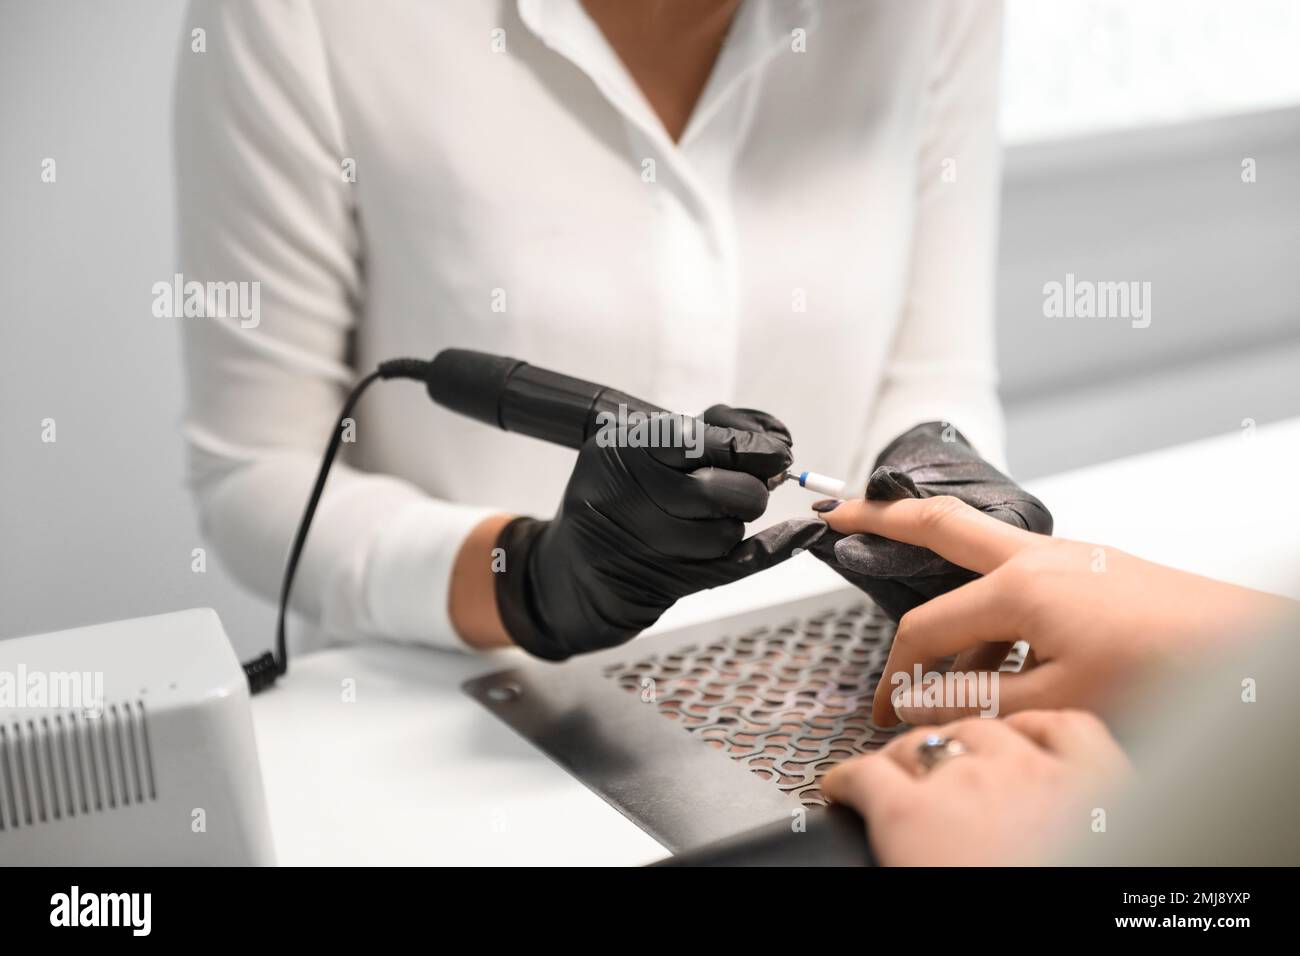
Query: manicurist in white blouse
point(786, 205)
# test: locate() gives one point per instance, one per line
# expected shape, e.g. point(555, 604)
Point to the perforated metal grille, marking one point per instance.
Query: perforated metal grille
point(787, 702)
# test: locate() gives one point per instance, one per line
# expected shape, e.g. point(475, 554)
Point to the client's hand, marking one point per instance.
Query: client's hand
point(640, 527)
point(1020, 788)
point(930, 459)
point(1095, 618)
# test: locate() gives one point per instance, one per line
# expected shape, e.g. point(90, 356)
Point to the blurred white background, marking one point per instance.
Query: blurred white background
point(1072, 67)
point(1127, 125)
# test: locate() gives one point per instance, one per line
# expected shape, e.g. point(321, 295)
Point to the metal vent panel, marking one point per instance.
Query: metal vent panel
point(786, 702)
point(63, 765)
point(715, 729)
point(686, 763)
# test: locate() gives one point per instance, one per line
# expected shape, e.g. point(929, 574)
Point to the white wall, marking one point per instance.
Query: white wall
point(1077, 67)
point(1169, 207)
point(97, 524)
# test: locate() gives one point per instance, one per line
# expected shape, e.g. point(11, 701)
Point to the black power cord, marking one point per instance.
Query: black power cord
point(262, 671)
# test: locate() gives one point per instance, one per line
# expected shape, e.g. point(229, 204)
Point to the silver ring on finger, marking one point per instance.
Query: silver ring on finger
point(936, 748)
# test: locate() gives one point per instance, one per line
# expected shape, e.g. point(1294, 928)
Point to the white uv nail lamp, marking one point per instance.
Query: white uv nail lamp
point(129, 743)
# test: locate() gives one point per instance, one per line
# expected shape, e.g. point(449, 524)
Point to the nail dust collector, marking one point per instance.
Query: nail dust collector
point(129, 743)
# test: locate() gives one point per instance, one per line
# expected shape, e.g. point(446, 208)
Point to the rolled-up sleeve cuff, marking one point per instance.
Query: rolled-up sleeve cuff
point(409, 573)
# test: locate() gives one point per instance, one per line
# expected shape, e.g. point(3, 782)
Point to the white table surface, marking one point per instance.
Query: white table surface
point(415, 772)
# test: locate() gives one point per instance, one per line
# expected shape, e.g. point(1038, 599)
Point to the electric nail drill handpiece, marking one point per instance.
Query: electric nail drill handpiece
point(512, 395)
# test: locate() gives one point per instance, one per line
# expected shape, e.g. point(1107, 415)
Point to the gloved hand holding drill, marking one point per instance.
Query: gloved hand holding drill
point(640, 527)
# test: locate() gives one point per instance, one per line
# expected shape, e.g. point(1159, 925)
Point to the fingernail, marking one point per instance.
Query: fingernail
point(901, 700)
point(825, 505)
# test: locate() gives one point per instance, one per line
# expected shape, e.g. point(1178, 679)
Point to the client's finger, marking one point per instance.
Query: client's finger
point(1074, 734)
point(981, 694)
point(965, 617)
point(946, 525)
point(867, 783)
point(985, 657)
point(984, 738)
point(974, 686)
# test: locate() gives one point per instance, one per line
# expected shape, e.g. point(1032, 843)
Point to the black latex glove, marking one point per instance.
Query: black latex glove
point(641, 527)
point(921, 464)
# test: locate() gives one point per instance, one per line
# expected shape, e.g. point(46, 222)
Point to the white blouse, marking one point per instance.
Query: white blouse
point(405, 176)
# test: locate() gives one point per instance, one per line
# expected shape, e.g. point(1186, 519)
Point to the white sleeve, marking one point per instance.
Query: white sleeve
point(943, 365)
point(262, 199)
